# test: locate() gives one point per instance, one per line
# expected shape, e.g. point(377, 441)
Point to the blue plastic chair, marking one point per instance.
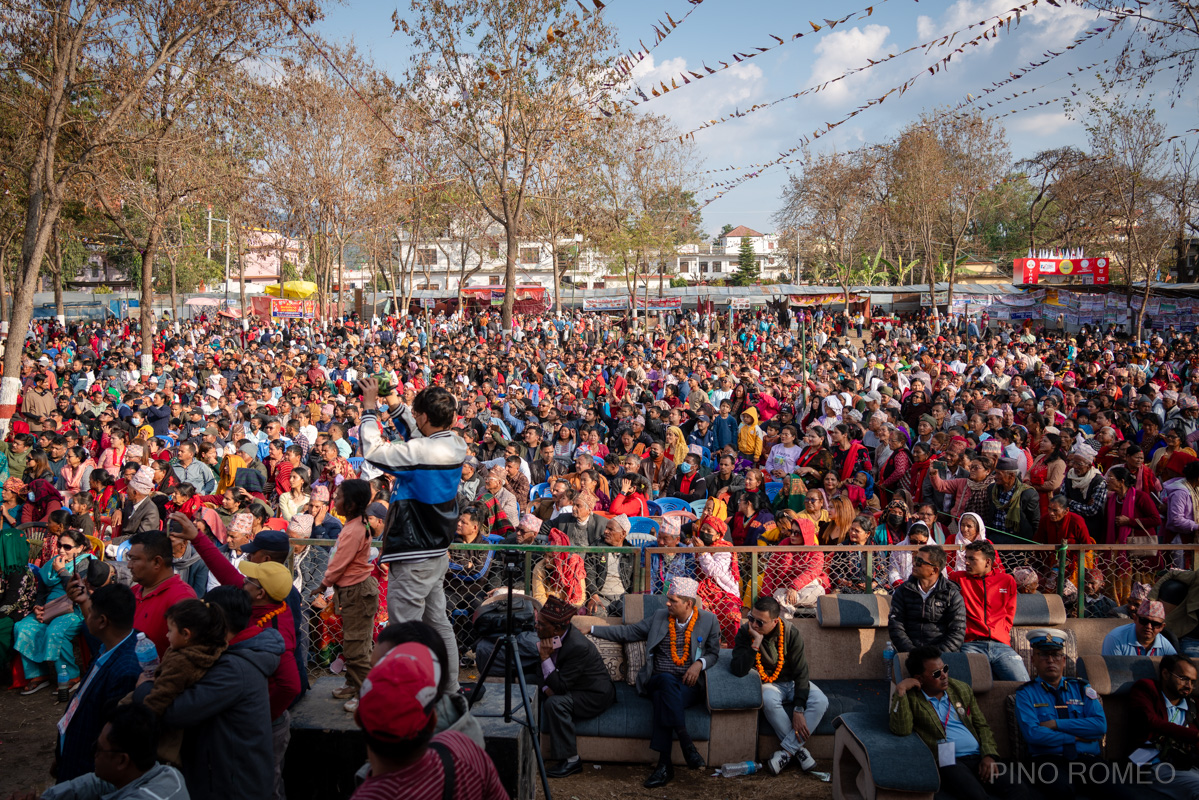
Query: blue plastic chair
point(668, 504)
point(356, 462)
point(643, 525)
point(698, 506)
point(539, 491)
point(773, 488)
point(655, 510)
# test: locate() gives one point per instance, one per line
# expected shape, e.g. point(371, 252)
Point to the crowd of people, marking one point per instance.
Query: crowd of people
point(181, 505)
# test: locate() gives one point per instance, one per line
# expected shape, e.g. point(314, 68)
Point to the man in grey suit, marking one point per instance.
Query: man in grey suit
point(140, 513)
point(680, 644)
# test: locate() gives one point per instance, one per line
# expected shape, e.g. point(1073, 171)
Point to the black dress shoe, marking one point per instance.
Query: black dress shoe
point(692, 757)
point(661, 776)
point(567, 767)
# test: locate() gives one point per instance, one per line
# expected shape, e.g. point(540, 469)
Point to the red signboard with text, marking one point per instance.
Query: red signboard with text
point(1031, 270)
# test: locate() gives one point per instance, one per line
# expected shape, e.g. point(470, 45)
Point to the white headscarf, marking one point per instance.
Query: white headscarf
point(960, 541)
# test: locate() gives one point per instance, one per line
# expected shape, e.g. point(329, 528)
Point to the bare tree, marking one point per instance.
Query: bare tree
point(502, 82)
point(84, 67)
point(1136, 218)
point(976, 156)
point(828, 208)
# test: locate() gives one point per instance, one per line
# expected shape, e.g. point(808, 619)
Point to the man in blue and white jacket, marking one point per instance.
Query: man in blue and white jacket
point(423, 514)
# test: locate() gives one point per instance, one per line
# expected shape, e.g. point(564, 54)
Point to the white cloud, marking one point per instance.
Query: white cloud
point(1027, 131)
point(737, 87)
point(843, 50)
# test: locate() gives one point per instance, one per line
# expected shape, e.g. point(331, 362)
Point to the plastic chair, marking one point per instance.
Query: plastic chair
point(356, 462)
point(654, 509)
point(540, 491)
point(697, 506)
point(773, 488)
point(668, 504)
point(97, 547)
point(643, 525)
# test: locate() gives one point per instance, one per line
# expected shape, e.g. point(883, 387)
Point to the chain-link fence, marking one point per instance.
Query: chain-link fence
point(730, 579)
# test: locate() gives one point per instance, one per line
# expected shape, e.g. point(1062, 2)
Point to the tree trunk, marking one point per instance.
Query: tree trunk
point(513, 251)
point(56, 281)
point(4, 279)
point(174, 294)
point(557, 275)
point(147, 299)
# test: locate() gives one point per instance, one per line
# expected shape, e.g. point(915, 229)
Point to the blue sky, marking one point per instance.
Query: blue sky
point(718, 28)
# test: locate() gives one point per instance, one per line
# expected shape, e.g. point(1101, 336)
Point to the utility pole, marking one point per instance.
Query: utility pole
point(208, 241)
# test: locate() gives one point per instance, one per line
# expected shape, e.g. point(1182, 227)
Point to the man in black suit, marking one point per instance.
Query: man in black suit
point(576, 683)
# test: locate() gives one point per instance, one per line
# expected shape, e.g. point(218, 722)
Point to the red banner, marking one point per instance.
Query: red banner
point(1030, 270)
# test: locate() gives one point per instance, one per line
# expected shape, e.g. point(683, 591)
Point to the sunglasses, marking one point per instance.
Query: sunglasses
point(1149, 623)
point(942, 671)
point(758, 623)
point(920, 562)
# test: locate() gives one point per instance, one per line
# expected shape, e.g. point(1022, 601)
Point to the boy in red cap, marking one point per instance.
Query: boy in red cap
point(396, 714)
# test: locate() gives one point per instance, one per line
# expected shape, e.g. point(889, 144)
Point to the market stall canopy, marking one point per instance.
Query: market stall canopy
point(231, 313)
point(297, 290)
point(203, 301)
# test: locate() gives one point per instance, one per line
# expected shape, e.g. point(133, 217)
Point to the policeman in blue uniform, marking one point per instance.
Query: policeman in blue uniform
point(1062, 723)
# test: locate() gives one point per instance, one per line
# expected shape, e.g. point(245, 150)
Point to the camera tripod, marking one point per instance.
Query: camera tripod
point(507, 645)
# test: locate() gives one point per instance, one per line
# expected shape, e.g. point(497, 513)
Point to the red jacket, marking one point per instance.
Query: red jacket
point(1150, 720)
point(990, 604)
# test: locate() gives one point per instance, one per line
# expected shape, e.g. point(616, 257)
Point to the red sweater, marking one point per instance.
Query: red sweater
point(990, 605)
point(284, 684)
point(150, 614)
point(1150, 719)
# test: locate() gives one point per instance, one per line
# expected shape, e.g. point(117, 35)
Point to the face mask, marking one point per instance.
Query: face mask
point(31, 497)
point(895, 520)
point(684, 468)
point(707, 538)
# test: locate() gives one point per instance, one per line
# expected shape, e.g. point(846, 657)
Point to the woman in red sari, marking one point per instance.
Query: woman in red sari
point(1047, 471)
point(719, 576)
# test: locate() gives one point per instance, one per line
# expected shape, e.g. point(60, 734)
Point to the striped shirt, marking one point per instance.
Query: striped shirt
point(475, 777)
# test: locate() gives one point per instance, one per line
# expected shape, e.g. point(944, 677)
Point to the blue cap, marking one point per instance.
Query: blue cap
point(269, 540)
point(1048, 639)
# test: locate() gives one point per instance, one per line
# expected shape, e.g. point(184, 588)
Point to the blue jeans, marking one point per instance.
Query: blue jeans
point(774, 695)
point(1006, 664)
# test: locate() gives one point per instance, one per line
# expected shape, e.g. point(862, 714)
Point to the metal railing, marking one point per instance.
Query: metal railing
point(848, 569)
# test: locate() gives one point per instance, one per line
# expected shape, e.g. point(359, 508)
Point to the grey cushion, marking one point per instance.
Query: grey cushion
point(897, 763)
point(844, 697)
point(853, 610)
point(1040, 610)
point(1110, 675)
point(727, 692)
point(631, 717)
point(652, 603)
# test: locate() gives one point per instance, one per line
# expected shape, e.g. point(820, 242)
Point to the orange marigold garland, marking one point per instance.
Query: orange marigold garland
point(778, 668)
point(268, 617)
point(674, 638)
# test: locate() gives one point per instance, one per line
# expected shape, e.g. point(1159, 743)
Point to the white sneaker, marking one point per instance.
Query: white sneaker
point(806, 762)
point(778, 761)
point(352, 706)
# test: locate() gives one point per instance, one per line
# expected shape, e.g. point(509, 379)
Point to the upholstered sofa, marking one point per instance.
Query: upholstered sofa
point(869, 762)
point(722, 725)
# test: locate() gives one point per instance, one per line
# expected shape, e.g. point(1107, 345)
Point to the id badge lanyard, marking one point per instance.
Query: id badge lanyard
point(946, 756)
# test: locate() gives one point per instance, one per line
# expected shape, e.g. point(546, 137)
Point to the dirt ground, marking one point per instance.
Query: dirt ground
point(27, 750)
point(27, 740)
point(613, 782)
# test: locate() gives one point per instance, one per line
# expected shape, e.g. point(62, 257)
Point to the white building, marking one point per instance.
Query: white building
point(437, 263)
point(717, 262)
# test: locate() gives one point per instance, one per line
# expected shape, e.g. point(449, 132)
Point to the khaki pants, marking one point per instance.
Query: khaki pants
point(357, 605)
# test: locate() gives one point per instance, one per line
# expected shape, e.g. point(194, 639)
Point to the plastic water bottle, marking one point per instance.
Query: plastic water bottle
point(888, 659)
point(740, 768)
point(147, 655)
point(63, 693)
